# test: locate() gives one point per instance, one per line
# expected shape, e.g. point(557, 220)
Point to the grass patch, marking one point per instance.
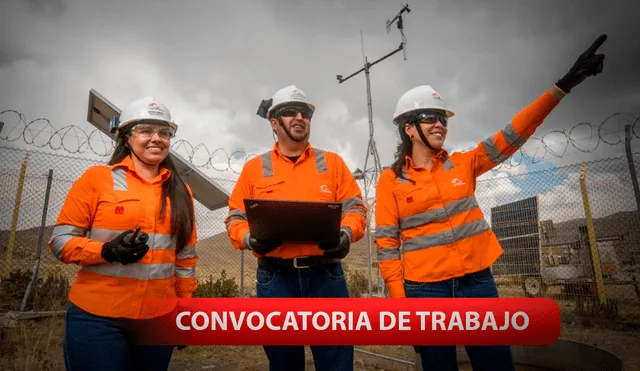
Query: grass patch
point(48, 293)
point(222, 287)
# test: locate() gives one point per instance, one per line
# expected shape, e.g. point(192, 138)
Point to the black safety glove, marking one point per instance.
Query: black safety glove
point(261, 247)
point(341, 250)
point(124, 251)
point(588, 64)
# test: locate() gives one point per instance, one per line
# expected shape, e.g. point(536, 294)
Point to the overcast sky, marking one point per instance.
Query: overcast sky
point(211, 62)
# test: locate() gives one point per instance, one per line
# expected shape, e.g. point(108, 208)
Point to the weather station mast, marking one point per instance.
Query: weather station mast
point(372, 170)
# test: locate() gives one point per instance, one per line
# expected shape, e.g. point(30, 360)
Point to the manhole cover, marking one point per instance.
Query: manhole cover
point(563, 355)
point(467, 367)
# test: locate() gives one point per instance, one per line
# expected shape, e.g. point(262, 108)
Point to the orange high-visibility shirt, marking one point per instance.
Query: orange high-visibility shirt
point(316, 176)
point(102, 203)
point(434, 230)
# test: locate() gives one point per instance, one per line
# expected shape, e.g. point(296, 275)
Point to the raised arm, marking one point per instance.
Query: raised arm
point(499, 147)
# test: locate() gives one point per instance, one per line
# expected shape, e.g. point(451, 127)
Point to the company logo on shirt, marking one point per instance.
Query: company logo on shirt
point(325, 189)
point(457, 182)
point(119, 210)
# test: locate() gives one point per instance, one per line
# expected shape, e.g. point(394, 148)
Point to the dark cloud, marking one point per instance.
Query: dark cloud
point(212, 63)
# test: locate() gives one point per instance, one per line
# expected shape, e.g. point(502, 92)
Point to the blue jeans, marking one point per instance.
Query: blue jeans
point(443, 358)
point(94, 343)
point(316, 282)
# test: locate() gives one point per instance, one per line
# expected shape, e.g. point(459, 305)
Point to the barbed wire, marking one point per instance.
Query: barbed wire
point(584, 137)
point(41, 133)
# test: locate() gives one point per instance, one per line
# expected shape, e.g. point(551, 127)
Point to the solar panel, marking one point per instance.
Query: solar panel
point(516, 225)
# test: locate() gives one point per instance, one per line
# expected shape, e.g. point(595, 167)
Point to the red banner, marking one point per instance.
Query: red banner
point(268, 321)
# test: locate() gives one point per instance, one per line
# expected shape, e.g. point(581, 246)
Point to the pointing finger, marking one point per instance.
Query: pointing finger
point(596, 44)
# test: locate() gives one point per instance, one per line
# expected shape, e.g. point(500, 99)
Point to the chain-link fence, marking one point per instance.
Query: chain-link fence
point(570, 233)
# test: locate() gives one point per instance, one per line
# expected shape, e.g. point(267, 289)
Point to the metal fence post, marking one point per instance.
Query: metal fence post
point(36, 265)
point(242, 273)
point(591, 233)
point(632, 168)
point(8, 263)
point(368, 219)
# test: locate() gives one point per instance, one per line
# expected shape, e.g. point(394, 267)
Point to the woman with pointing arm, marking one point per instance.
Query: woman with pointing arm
point(431, 235)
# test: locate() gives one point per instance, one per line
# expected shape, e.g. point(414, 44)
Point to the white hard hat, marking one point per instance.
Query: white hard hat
point(289, 94)
point(420, 98)
point(145, 110)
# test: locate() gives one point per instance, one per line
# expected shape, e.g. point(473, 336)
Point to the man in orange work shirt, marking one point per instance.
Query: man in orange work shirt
point(294, 170)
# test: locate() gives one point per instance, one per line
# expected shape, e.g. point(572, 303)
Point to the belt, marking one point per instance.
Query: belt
point(297, 262)
point(454, 278)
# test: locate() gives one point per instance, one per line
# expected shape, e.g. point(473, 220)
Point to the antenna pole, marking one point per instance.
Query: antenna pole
point(370, 175)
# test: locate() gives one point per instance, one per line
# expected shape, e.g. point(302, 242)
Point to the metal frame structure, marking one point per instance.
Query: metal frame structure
point(369, 175)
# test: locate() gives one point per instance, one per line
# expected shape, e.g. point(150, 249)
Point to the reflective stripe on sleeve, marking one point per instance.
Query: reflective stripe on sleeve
point(388, 253)
point(136, 271)
point(61, 234)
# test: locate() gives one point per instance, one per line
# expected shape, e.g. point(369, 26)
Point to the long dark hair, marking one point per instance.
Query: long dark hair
point(404, 149)
point(174, 189)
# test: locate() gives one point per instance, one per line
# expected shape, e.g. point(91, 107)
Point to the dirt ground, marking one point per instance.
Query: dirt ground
point(622, 343)
point(37, 345)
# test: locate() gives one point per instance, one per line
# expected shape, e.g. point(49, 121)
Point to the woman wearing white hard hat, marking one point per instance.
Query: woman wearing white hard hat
point(431, 235)
point(141, 220)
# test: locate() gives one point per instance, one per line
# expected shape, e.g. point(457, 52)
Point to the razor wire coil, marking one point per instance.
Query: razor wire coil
point(40, 132)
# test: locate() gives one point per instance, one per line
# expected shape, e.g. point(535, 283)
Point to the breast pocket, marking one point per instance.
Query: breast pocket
point(415, 197)
point(270, 188)
point(456, 185)
point(119, 211)
point(321, 188)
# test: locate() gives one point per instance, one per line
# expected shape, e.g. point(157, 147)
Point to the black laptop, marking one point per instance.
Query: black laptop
point(294, 221)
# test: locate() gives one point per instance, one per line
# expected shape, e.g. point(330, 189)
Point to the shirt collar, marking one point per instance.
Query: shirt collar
point(127, 163)
point(442, 154)
point(304, 154)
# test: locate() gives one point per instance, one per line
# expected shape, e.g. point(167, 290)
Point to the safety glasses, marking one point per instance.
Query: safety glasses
point(428, 118)
point(292, 111)
point(147, 131)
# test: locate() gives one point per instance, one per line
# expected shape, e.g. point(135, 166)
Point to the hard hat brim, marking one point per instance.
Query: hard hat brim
point(290, 103)
point(130, 123)
point(398, 116)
